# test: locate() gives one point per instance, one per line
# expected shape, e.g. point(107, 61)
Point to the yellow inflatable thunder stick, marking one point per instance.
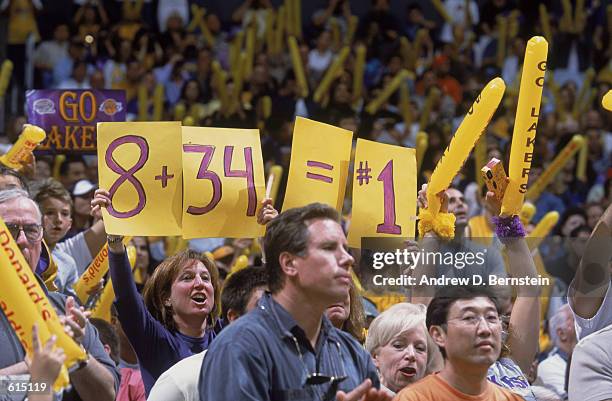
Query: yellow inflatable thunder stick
point(471, 128)
point(298, 67)
point(24, 303)
point(5, 76)
point(527, 212)
point(542, 229)
point(331, 74)
point(391, 87)
point(534, 191)
point(422, 142)
point(29, 139)
point(358, 71)
point(270, 17)
point(606, 102)
point(158, 102)
point(525, 124)
point(94, 273)
point(545, 23)
point(276, 174)
point(102, 308)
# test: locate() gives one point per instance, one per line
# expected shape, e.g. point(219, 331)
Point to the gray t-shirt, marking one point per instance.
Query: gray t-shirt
point(591, 368)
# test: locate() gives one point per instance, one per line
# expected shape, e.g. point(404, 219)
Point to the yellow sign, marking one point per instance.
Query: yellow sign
point(384, 192)
point(320, 155)
point(140, 165)
point(223, 177)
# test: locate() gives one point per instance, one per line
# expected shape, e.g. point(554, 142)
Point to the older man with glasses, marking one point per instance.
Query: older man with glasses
point(98, 378)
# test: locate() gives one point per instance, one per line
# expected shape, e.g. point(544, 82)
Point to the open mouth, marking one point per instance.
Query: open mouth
point(199, 299)
point(408, 371)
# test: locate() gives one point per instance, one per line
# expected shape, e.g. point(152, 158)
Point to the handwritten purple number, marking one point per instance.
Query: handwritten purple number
point(127, 175)
point(205, 174)
point(388, 226)
point(247, 173)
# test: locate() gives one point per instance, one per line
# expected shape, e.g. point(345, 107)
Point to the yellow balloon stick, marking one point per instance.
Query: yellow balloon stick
point(606, 101)
point(5, 76)
point(502, 33)
point(298, 67)
point(353, 22)
point(565, 24)
point(277, 172)
point(335, 33)
point(583, 156)
point(542, 229)
point(188, 121)
point(270, 17)
point(442, 10)
point(235, 51)
point(331, 74)
point(94, 273)
point(24, 303)
point(143, 112)
point(535, 190)
point(462, 143)
point(28, 140)
point(158, 102)
point(480, 159)
point(404, 103)
point(241, 262)
point(102, 308)
point(219, 76)
point(579, 18)
point(391, 87)
point(197, 14)
point(358, 71)
point(239, 81)
point(297, 18)
point(266, 105)
point(280, 29)
point(405, 51)
point(545, 22)
point(525, 124)
point(289, 17)
point(179, 111)
point(422, 141)
point(247, 69)
point(432, 97)
point(513, 24)
point(527, 212)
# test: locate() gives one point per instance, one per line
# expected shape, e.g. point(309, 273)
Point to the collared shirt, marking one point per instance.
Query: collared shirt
point(257, 358)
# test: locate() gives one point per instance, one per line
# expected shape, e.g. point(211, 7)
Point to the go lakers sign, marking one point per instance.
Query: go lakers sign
point(70, 116)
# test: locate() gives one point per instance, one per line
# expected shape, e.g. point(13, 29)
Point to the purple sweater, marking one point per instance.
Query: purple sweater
point(157, 347)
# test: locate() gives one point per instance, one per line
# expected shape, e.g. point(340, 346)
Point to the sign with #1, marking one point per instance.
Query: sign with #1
point(69, 117)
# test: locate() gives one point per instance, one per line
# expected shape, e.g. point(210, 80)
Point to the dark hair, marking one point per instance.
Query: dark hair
point(108, 336)
point(53, 189)
point(583, 228)
point(63, 170)
point(159, 285)
point(238, 289)
point(572, 211)
point(289, 233)
point(445, 297)
point(9, 171)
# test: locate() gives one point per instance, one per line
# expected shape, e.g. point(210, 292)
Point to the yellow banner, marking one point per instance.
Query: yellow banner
point(224, 181)
point(320, 155)
point(140, 165)
point(24, 303)
point(94, 273)
point(525, 124)
point(384, 192)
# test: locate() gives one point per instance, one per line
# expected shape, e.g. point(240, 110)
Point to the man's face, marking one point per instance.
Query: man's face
point(9, 182)
point(56, 219)
point(472, 336)
point(324, 271)
point(457, 205)
point(75, 172)
point(23, 212)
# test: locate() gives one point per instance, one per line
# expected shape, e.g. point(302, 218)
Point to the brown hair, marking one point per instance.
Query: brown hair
point(355, 323)
point(158, 287)
point(52, 189)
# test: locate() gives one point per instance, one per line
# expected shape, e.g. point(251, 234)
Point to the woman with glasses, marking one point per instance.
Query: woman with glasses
point(179, 313)
point(400, 346)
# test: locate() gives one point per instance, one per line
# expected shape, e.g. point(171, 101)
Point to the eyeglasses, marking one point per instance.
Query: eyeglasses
point(474, 321)
point(33, 232)
point(318, 378)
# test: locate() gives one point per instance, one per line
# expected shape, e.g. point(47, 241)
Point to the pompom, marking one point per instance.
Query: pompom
point(508, 227)
point(443, 224)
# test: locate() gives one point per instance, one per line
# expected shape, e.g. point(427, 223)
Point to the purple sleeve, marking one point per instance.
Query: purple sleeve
point(141, 328)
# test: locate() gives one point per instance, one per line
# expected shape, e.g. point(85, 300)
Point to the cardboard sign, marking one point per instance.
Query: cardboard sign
point(384, 192)
point(223, 176)
point(69, 117)
point(320, 156)
point(140, 165)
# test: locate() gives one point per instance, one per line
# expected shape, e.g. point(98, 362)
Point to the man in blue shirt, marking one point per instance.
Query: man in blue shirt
point(286, 349)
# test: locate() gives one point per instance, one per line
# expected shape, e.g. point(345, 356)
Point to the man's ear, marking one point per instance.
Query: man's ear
point(438, 335)
point(232, 315)
point(287, 263)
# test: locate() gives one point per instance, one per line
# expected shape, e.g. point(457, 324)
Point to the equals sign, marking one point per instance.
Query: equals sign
point(325, 166)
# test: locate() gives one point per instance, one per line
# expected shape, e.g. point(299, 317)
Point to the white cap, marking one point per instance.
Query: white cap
point(83, 187)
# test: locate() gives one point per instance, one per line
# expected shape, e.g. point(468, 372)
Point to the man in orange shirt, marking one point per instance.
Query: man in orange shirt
point(465, 323)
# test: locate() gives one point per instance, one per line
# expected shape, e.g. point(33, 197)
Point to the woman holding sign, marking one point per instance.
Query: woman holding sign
point(178, 315)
